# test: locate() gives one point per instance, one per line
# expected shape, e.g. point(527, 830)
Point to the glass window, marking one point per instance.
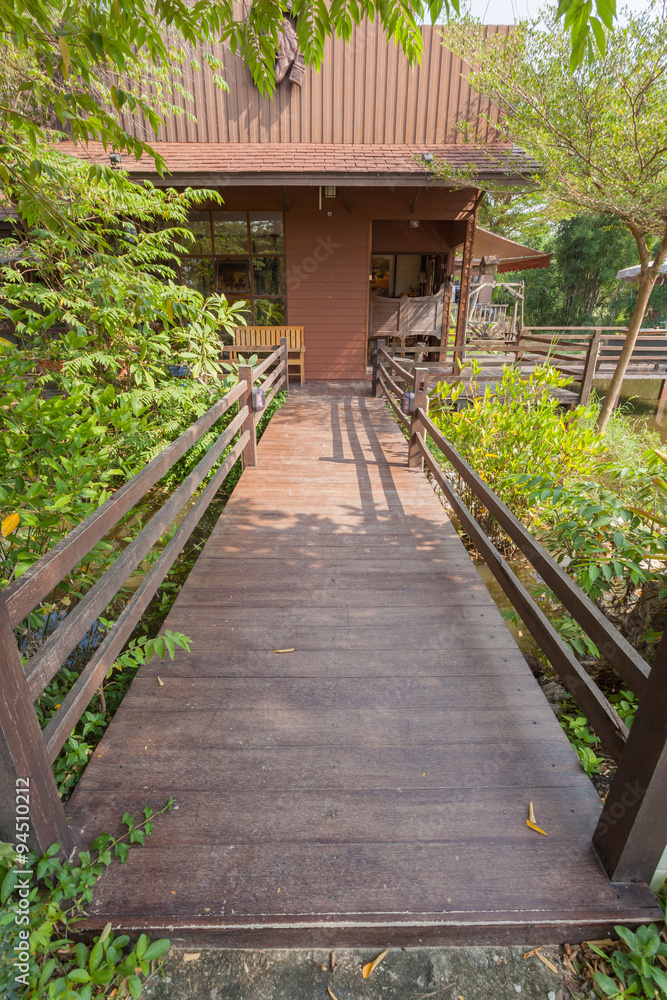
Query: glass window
point(270, 312)
point(266, 232)
point(199, 224)
point(197, 273)
point(232, 276)
point(230, 230)
point(226, 263)
point(268, 275)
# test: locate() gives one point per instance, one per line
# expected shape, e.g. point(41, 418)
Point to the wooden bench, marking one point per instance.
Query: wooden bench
point(265, 339)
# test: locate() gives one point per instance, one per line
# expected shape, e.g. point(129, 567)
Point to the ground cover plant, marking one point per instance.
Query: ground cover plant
point(39, 955)
point(597, 501)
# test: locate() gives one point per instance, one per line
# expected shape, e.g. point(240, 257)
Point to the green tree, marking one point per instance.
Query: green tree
point(599, 135)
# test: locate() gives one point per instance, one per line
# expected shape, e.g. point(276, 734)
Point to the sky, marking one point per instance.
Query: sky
point(508, 11)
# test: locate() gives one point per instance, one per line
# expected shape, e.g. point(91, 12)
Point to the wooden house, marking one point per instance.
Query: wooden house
point(329, 195)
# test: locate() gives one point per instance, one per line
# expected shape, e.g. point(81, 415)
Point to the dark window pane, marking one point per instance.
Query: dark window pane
point(266, 232)
point(232, 275)
point(199, 224)
point(269, 312)
point(268, 275)
point(230, 231)
point(197, 274)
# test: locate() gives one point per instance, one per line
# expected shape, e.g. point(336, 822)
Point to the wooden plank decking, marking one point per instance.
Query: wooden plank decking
point(371, 786)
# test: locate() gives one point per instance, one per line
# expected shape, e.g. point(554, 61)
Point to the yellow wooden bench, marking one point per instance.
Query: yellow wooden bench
point(264, 339)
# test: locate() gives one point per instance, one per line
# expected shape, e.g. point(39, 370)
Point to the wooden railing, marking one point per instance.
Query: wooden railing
point(591, 353)
point(632, 832)
point(26, 753)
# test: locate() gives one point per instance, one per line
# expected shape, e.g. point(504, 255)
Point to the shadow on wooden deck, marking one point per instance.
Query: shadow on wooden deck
point(370, 784)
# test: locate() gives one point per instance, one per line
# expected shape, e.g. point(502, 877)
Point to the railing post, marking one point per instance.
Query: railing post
point(589, 367)
point(285, 356)
point(28, 790)
point(417, 430)
point(376, 386)
point(249, 454)
point(632, 831)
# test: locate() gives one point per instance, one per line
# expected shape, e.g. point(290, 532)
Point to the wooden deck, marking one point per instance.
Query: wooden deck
point(372, 786)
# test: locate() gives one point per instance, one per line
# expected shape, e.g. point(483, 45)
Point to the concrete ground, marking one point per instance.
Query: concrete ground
point(479, 973)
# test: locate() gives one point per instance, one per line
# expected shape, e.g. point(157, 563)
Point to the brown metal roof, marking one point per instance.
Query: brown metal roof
point(365, 92)
point(513, 256)
point(313, 163)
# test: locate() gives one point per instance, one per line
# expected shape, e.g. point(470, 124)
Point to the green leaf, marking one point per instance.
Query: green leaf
point(157, 949)
point(600, 39)
point(9, 883)
point(78, 975)
point(607, 985)
point(134, 986)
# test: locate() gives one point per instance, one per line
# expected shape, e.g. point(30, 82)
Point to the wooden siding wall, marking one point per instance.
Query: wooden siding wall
point(366, 92)
point(327, 286)
point(328, 261)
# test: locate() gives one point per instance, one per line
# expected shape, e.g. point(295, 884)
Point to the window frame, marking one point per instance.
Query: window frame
point(251, 296)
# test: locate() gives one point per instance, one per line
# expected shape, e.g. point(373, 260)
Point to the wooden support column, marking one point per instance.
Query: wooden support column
point(632, 832)
point(249, 454)
point(417, 431)
point(464, 292)
point(447, 305)
point(285, 356)
point(25, 769)
point(589, 367)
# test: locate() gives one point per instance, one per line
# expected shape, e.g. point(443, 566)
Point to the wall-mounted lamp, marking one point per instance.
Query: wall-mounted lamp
point(408, 402)
point(414, 223)
point(326, 192)
point(258, 399)
point(115, 160)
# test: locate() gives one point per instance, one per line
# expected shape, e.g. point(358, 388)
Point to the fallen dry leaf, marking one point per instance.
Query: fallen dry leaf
point(545, 961)
point(532, 822)
point(160, 681)
point(331, 993)
point(284, 650)
point(191, 956)
point(333, 961)
point(367, 969)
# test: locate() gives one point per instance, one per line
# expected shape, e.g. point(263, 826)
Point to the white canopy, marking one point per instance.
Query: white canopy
point(630, 273)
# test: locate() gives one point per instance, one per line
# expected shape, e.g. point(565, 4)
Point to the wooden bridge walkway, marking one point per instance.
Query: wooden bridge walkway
point(371, 783)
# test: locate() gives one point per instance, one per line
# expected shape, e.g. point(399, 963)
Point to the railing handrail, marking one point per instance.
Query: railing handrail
point(624, 658)
point(630, 835)
point(23, 747)
point(23, 596)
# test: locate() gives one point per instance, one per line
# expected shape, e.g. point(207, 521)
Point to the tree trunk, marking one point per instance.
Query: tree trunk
point(647, 279)
point(635, 325)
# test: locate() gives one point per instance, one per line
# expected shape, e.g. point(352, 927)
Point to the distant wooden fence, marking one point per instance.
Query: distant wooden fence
point(632, 832)
point(26, 753)
point(586, 353)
